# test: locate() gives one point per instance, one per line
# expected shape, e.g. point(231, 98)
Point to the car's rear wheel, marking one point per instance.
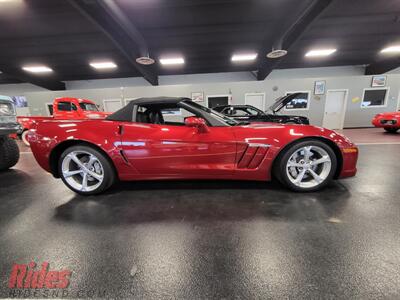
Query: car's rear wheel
point(306, 166)
point(85, 170)
point(391, 129)
point(9, 153)
point(24, 139)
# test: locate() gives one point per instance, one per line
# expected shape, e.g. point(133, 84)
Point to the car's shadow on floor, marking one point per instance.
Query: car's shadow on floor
point(197, 201)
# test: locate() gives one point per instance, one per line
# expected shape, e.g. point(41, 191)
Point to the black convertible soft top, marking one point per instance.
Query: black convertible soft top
point(126, 113)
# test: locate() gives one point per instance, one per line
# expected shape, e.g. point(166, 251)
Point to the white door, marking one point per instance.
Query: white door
point(112, 105)
point(335, 108)
point(256, 100)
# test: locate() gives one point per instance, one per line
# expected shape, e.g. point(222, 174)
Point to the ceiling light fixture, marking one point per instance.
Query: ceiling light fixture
point(145, 60)
point(320, 52)
point(172, 61)
point(37, 69)
point(244, 57)
point(391, 49)
point(103, 65)
point(277, 53)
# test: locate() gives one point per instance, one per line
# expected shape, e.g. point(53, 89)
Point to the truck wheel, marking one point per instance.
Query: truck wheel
point(306, 166)
point(24, 139)
point(391, 130)
point(85, 170)
point(9, 153)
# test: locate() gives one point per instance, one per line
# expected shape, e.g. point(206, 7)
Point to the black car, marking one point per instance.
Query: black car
point(252, 114)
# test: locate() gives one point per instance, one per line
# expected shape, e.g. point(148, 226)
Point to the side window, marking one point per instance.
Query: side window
point(175, 116)
point(252, 112)
point(374, 97)
point(64, 106)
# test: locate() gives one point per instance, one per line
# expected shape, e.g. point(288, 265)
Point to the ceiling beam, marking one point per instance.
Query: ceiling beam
point(383, 66)
point(108, 17)
point(286, 40)
point(47, 83)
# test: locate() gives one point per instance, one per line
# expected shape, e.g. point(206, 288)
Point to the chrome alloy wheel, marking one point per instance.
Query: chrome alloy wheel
point(82, 171)
point(308, 166)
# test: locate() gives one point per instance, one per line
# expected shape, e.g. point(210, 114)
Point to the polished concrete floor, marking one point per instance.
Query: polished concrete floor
point(208, 239)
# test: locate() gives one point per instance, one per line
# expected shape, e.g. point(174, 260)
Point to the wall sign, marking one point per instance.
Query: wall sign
point(197, 96)
point(319, 87)
point(379, 80)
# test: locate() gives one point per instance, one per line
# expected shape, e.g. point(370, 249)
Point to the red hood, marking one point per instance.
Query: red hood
point(395, 114)
point(96, 114)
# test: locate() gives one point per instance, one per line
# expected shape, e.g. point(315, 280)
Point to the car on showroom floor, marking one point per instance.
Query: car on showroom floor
point(140, 142)
point(253, 114)
point(389, 121)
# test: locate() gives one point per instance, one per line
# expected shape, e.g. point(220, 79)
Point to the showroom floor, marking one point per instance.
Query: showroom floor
point(209, 239)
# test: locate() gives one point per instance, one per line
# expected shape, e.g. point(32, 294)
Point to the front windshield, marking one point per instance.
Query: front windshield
point(215, 114)
point(88, 106)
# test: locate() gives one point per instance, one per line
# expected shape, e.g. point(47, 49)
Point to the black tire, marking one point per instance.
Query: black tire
point(282, 160)
point(9, 153)
point(391, 130)
point(109, 175)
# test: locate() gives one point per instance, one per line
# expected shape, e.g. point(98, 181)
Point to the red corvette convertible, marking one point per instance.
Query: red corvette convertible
point(389, 121)
point(175, 138)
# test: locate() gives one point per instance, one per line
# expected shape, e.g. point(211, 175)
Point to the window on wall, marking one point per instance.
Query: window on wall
point(300, 102)
point(374, 97)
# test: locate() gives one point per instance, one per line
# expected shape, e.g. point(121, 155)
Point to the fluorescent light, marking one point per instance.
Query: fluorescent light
point(103, 65)
point(320, 52)
point(244, 57)
point(37, 69)
point(172, 61)
point(392, 49)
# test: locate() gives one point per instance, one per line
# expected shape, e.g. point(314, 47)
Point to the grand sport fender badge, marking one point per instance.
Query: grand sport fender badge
point(259, 145)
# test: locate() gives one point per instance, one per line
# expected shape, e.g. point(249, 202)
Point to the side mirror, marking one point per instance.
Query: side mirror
point(199, 123)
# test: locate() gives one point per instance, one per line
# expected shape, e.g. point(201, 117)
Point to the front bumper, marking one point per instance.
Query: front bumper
point(10, 128)
point(385, 122)
point(350, 157)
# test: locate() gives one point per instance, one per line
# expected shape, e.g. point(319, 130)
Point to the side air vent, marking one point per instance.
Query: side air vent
point(252, 156)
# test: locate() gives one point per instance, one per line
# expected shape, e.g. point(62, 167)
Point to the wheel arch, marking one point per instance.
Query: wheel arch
point(326, 141)
point(60, 148)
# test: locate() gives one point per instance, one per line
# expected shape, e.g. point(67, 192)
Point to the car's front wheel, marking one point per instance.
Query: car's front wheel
point(9, 153)
point(86, 170)
point(391, 129)
point(306, 166)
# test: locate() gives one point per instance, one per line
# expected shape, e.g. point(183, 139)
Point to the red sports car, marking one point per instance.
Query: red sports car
point(390, 121)
point(175, 138)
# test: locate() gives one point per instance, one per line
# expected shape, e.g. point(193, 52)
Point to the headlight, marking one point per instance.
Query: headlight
point(6, 109)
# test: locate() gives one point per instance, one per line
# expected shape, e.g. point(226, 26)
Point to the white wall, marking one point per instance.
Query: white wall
point(343, 78)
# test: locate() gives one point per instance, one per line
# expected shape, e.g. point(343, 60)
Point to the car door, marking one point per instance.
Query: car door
point(179, 151)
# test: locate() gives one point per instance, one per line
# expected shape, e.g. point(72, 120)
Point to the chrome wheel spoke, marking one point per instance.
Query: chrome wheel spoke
point(84, 181)
point(321, 160)
point(72, 173)
point(307, 153)
point(317, 178)
point(96, 176)
point(300, 176)
point(92, 160)
point(76, 160)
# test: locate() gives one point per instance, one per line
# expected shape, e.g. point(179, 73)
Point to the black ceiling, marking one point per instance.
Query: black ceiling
point(205, 32)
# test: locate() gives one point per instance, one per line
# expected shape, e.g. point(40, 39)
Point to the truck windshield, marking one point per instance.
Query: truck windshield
point(88, 106)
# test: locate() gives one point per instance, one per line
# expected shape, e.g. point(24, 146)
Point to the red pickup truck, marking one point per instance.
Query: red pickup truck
point(65, 108)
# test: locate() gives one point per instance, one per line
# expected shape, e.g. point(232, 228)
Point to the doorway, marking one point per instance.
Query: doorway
point(335, 109)
point(112, 105)
point(256, 100)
